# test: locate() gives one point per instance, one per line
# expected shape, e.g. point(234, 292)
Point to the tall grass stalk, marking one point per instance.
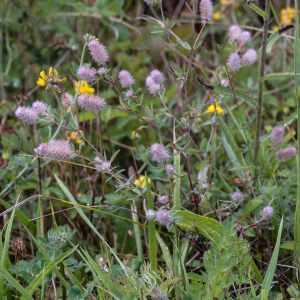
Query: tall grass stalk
point(261, 84)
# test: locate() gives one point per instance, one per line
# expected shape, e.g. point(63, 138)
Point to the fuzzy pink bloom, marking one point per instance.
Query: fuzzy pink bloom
point(277, 135)
point(157, 76)
point(224, 82)
point(245, 37)
point(234, 61)
point(98, 52)
point(205, 186)
point(159, 153)
point(152, 86)
point(149, 2)
point(106, 165)
point(249, 57)
point(102, 70)
point(129, 94)
point(67, 100)
point(126, 79)
point(170, 169)
point(150, 214)
point(91, 102)
point(164, 217)
point(86, 73)
point(206, 10)
point(56, 149)
point(234, 33)
point(286, 153)
point(27, 114)
point(267, 213)
point(163, 199)
point(237, 197)
point(39, 106)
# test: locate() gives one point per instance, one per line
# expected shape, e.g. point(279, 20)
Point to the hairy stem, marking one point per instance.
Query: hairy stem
point(260, 85)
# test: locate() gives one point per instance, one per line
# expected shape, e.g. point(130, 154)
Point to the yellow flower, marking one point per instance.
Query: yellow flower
point(141, 181)
point(51, 81)
point(214, 108)
point(84, 88)
point(275, 28)
point(79, 141)
point(43, 75)
point(41, 82)
point(217, 15)
point(287, 15)
point(134, 135)
point(73, 135)
point(227, 2)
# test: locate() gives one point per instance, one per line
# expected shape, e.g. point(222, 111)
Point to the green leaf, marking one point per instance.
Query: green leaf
point(199, 43)
point(270, 42)
point(88, 290)
point(202, 144)
point(251, 206)
point(130, 297)
point(263, 295)
point(114, 156)
point(152, 230)
point(185, 45)
point(117, 270)
point(288, 246)
point(273, 76)
point(244, 168)
point(75, 293)
point(166, 252)
point(257, 10)
point(227, 91)
point(272, 265)
point(176, 69)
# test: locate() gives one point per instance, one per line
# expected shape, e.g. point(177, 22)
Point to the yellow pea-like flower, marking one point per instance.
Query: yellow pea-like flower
point(212, 108)
point(41, 82)
point(217, 15)
point(43, 75)
point(73, 135)
point(141, 181)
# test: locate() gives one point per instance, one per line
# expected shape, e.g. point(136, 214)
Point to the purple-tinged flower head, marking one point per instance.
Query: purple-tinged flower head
point(277, 135)
point(234, 61)
point(150, 214)
point(27, 114)
point(91, 102)
point(67, 100)
point(224, 82)
point(39, 106)
point(249, 57)
point(152, 86)
point(163, 199)
point(245, 37)
point(237, 197)
point(106, 165)
point(129, 94)
point(234, 33)
point(206, 186)
point(157, 76)
point(159, 153)
point(126, 79)
point(164, 217)
point(102, 71)
point(170, 169)
point(206, 10)
point(267, 213)
point(87, 74)
point(56, 149)
point(150, 3)
point(98, 52)
point(286, 153)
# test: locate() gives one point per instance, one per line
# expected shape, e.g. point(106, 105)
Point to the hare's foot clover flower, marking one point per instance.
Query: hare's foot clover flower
point(91, 102)
point(56, 149)
point(39, 106)
point(129, 94)
point(98, 52)
point(126, 79)
point(150, 214)
point(234, 33)
point(52, 80)
point(206, 10)
point(234, 62)
point(245, 37)
point(237, 197)
point(286, 153)
point(154, 81)
point(159, 153)
point(163, 199)
point(18, 248)
point(276, 136)
point(249, 57)
point(86, 73)
point(67, 100)
point(105, 165)
point(164, 217)
point(170, 169)
point(267, 213)
point(27, 114)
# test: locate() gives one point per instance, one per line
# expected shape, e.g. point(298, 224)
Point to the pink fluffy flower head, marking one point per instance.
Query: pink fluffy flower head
point(56, 149)
point(87, 74)
point(237, 197)
point(105, 166)
point(150, 214)
point(245, 37)
point(27, 114)
point(102, 71)
point(126, 79)
point(286, 153)
point(91, 102)
point(234, 33)
point(159, 153)
point(170, 169)
point(164, 217)
point(67, 100)
point(152, 86)
point(267, 213)
point(224, 82)
point(163, 199)
point(234, 62)
point(277, 135)
point(249, 57)
point(206, 10)
point(39, 106)
point(129, 94)
point(157, 76)
point(98, 52)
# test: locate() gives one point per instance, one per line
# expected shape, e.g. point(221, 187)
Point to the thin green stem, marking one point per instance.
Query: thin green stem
point(260, 85)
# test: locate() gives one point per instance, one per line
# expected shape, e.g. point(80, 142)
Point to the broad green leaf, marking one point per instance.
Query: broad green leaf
point(151, 230)
point(244, 168)
point(130, 297)
point(73, 278)
point(272, 265)
point(288, 246)
point(75, 293)
point(263, 295)
point(166, 252)
point(88, 290)
point(227, 91)
point(185, 45)
point(251, 206)
point(273, 76)
point(270, 42)
point(257, 10)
